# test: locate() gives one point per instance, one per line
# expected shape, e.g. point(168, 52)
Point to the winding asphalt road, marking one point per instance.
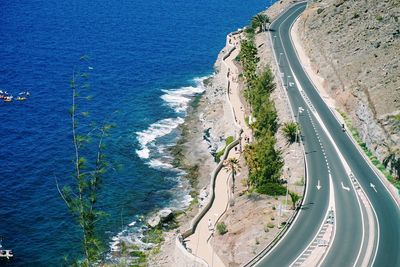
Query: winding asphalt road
point(359, 239)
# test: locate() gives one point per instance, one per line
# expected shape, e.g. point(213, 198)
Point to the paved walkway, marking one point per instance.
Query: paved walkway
point(235, 94)
point(200, 242)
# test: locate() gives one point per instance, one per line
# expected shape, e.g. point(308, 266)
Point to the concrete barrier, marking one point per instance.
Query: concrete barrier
point(214, 175)
point(186, 259)
point(182, 256)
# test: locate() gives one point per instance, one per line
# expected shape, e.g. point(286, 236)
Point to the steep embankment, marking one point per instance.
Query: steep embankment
point(354, 46)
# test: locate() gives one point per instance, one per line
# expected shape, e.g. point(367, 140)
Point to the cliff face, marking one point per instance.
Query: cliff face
point(355, 46)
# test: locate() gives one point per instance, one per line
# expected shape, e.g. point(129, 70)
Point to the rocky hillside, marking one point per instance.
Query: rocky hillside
point(355, 46)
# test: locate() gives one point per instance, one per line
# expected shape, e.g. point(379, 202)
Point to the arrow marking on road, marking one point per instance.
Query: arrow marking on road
point(318, 185)
point(345, 187)
point(373, 187)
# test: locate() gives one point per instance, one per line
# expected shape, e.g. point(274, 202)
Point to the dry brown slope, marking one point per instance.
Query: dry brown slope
point(355, 46)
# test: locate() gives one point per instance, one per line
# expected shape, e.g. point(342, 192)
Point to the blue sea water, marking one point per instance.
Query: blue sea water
point(147, 58)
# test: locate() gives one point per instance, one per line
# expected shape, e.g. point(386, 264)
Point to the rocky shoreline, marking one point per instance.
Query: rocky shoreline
point(203, 133)
point(208, 124)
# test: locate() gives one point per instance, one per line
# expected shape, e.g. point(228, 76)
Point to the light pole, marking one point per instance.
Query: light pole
point(299, 111)
point(279, 61)
point(287, 188)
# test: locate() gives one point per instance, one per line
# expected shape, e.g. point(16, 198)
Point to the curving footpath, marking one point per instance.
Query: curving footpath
point(198, 239)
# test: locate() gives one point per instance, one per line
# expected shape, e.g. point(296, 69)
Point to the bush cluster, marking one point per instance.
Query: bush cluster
point(263, 159)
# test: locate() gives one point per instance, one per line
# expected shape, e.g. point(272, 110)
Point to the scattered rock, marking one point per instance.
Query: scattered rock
point(165, 215)
point(154, 221)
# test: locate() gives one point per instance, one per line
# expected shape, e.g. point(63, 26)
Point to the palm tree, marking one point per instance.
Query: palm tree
point(232, 166)
point(259, 21)
point(290, 131)
point(294, 197)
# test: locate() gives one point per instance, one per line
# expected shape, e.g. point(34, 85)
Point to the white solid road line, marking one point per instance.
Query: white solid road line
point(306, 193)
point(342, 159)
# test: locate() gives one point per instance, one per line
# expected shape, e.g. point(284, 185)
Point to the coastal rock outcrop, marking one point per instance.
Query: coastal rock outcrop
point(354, 46)
point(163, 216)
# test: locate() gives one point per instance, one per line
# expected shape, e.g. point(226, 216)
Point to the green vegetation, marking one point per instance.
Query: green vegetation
point(154, 235)
point(248, 59)
point(290, 131)
point(232, 166)
point(81, 196)
point(375, 161)
point(294, 197)
point(397, 117)
point(301, 182)
point(272, 189)
point(270, 225)
point(219, 154)
point(263, 159)
point(140, 256)
point(221, 228)
point(356, 15)
point(392, 160)
point(192, 172)
point(259, 22)
point(250, 32)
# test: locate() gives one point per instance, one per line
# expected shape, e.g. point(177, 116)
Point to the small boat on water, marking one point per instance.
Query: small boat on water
point(8, 98)
point(23, 96)
point(5, 253)
point(3, 94)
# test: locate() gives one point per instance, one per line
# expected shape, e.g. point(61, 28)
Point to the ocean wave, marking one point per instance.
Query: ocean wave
point(178, 99)
point(154, 131)
point(159, 164)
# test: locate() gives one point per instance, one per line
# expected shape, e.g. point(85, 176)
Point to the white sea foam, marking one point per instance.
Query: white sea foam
point(178, 99)
point(143, 153)
point(157, 156)
point(154, 131)
point(159, 164)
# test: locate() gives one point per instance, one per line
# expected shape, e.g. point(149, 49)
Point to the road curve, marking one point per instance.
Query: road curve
point(367, 222)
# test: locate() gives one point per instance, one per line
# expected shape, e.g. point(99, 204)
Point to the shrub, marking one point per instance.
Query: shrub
point(138, 254)
point(220, 153)
point(229, 140)
point(270, 225)
point(272, 189)
point(290, 131)
point(221, 228)
point(154, 235)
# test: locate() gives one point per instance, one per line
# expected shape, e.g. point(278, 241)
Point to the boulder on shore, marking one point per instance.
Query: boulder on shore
point(163, 216)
